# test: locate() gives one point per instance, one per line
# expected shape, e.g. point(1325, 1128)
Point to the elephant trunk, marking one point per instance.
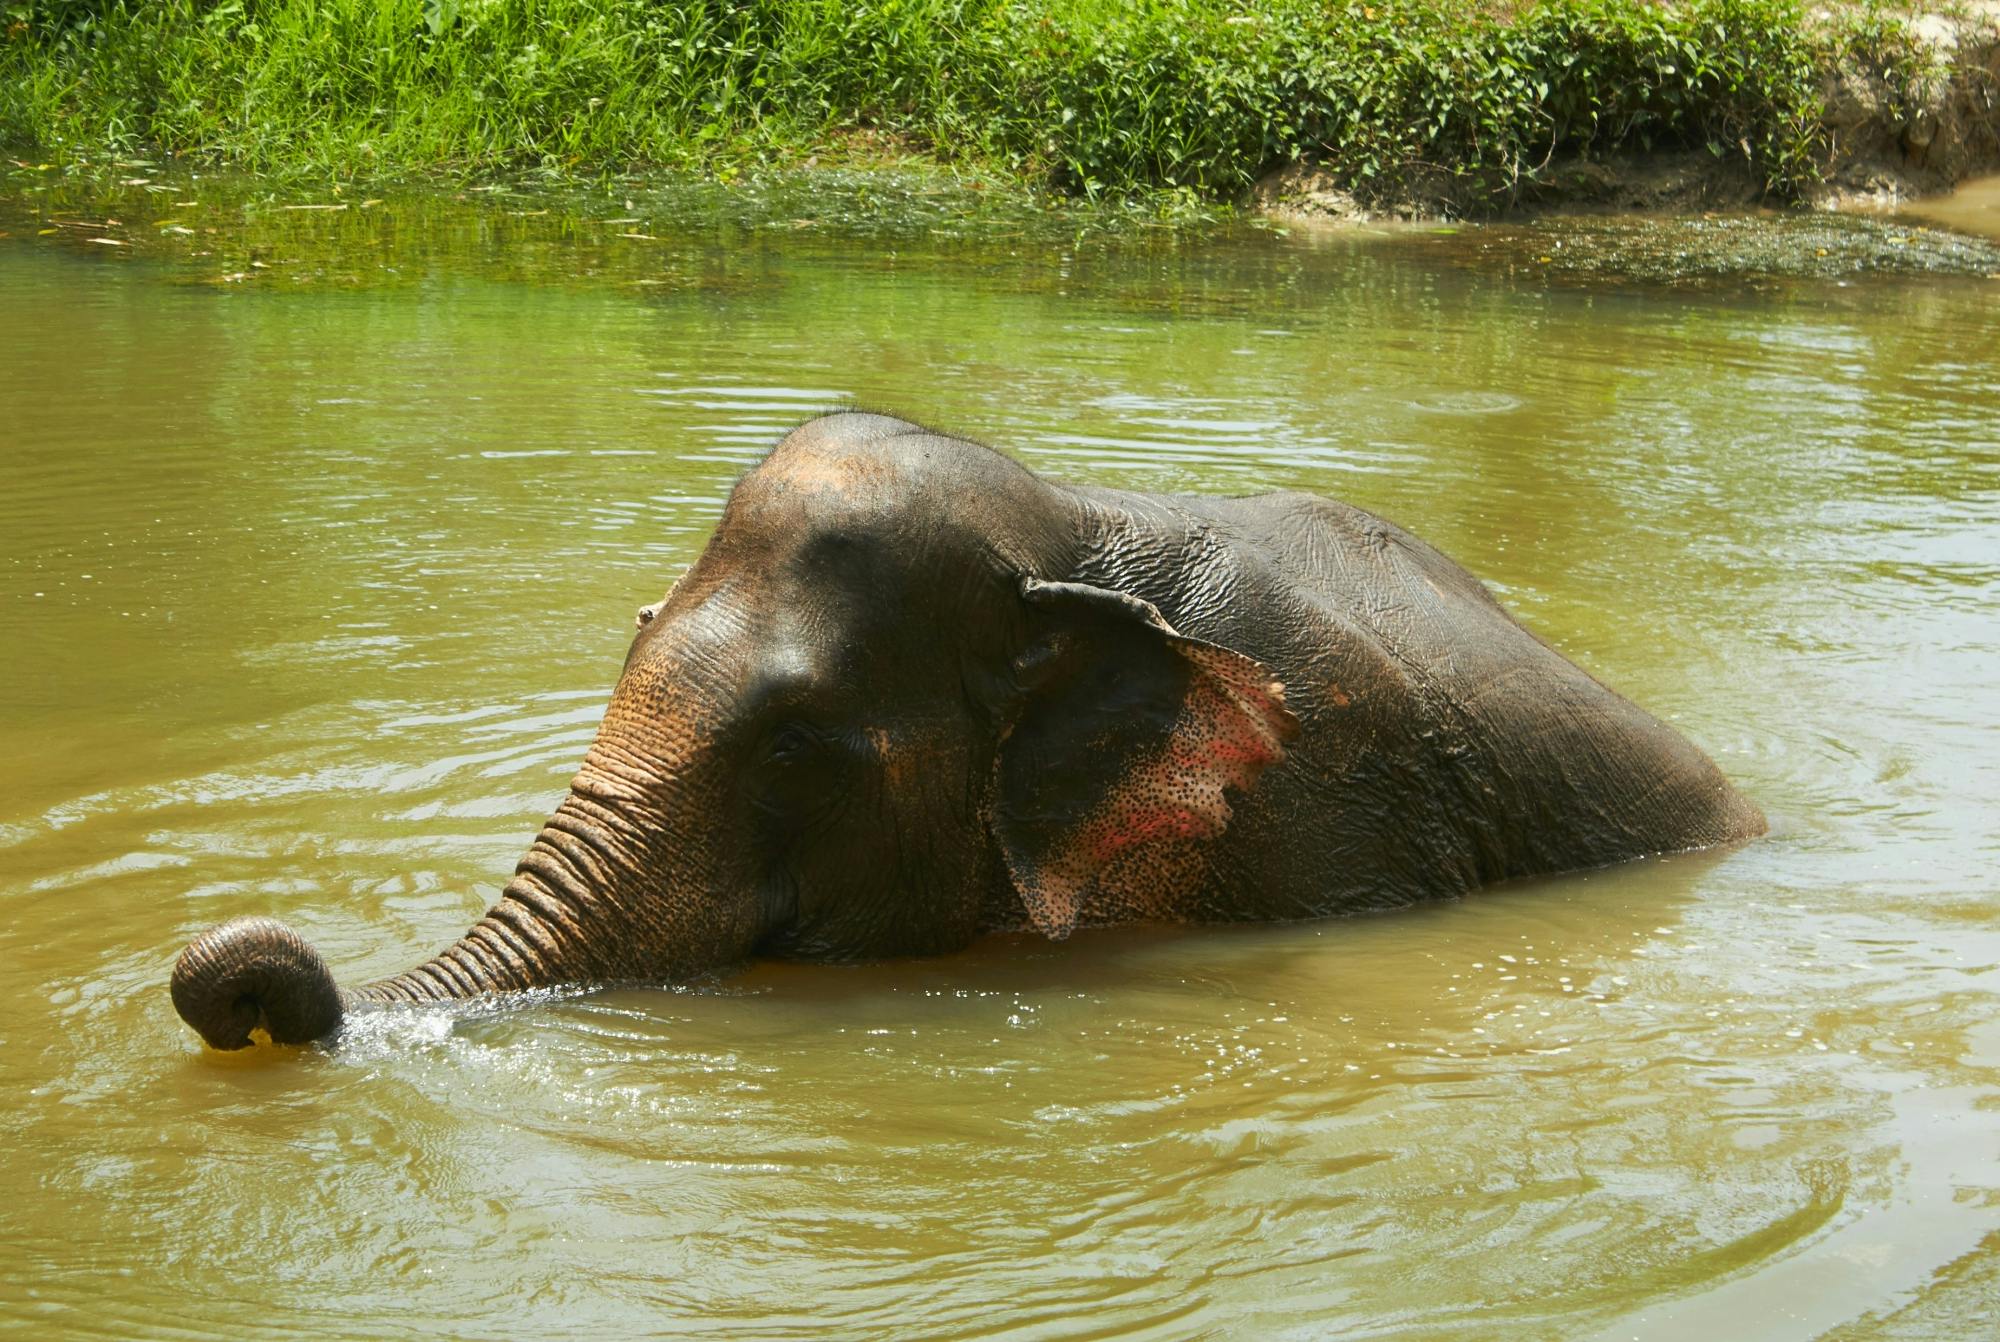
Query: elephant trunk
point(250, 972)
point(256, 972)
point(570, 915)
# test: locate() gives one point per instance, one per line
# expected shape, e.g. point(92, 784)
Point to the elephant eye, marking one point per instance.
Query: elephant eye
point(791, 743)
point(795, 777)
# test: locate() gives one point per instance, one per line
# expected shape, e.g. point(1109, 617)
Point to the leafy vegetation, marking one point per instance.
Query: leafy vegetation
point(1087, 96)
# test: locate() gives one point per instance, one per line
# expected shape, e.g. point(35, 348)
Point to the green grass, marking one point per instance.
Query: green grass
point(1084, 96)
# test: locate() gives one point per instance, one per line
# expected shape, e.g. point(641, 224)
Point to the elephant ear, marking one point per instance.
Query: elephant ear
point(1127, 736)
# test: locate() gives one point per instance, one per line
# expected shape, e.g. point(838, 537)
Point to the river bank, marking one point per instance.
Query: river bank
point(1907, 108)
point(1424, 108)
point(672, 240)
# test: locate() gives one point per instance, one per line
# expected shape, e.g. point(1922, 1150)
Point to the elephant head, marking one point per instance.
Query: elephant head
point(874, 718)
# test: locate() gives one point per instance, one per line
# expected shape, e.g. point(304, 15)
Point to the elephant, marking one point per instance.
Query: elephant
point(912, 692)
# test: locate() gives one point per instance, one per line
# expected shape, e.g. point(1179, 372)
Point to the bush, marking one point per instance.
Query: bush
point(1088, 96)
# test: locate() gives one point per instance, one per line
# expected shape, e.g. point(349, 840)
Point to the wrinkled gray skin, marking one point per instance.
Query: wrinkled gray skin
point(911, 692)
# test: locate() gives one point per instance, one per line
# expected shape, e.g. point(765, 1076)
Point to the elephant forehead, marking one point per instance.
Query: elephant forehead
point(825, 514)
point(811, 470)
point(815, 558)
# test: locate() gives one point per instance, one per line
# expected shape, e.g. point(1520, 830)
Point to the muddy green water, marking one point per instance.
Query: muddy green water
point(1973, 208)
point(313, 583)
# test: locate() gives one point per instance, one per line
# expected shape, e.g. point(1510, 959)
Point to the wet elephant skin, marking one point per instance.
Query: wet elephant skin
point(912, 692)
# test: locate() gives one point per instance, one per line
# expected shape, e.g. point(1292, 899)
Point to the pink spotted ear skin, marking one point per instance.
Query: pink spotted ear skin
point(1112, 788)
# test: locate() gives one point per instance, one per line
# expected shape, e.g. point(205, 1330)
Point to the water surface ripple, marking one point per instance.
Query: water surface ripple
point(310, 600)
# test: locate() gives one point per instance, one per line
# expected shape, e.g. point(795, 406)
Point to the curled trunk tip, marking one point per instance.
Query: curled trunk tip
point(252, 972)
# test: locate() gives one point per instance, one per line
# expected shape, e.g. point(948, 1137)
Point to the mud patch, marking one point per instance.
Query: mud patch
point(1706, 250)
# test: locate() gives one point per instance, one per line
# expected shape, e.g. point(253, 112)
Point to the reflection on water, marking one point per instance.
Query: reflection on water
point(309, 602)
point(1973, 208)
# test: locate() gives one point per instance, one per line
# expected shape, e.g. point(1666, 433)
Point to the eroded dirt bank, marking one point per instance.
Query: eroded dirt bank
point(1892, 132)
